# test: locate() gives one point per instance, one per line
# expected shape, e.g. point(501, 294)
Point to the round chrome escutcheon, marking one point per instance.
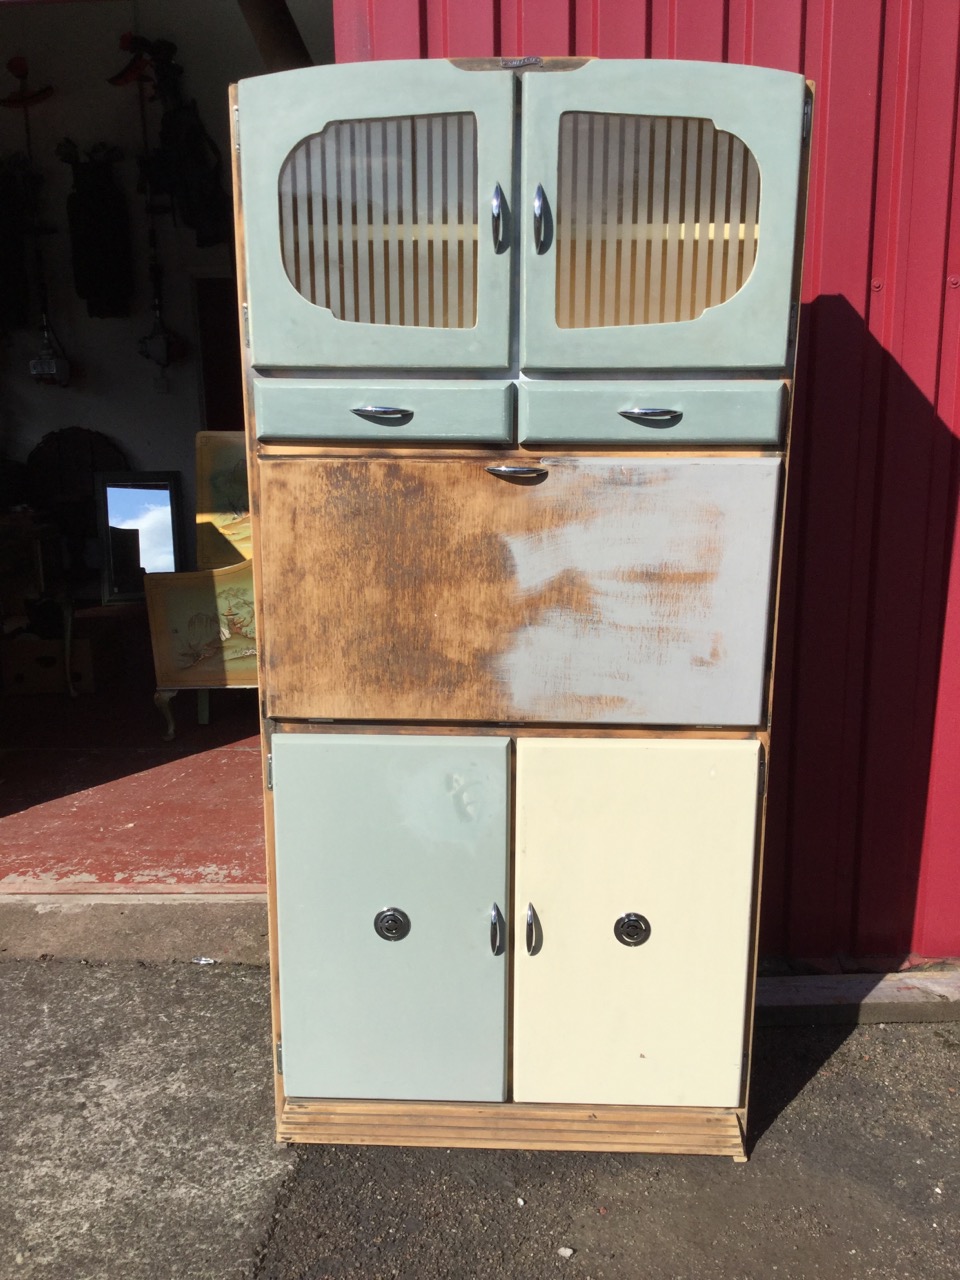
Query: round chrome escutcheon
point(632, 929)
point(392, 924)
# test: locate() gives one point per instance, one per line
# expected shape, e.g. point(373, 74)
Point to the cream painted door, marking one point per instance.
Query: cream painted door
point(663, 834)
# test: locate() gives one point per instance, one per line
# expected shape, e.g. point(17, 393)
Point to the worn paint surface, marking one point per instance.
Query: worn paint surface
point(132, 820)
point(674, 562)
point(628, 590)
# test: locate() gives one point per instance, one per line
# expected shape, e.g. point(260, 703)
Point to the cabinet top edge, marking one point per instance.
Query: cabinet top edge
point(536, 66)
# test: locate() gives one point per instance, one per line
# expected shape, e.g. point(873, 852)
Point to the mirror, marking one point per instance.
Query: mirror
point(139, 519)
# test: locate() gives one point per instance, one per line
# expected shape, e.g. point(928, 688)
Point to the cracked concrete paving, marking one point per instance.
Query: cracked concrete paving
point(136, 1144)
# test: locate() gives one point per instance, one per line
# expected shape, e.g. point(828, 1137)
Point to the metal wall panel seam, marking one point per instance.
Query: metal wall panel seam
point(914, 500)
point(823, 725)
point(938, 897)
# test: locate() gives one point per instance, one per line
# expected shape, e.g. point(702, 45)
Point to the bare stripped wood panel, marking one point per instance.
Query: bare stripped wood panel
point(620, 591)
point(520, 731)
point(678, 1130)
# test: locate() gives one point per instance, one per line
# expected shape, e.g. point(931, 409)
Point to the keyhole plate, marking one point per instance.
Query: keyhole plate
point(632, 929)
point(392, 924)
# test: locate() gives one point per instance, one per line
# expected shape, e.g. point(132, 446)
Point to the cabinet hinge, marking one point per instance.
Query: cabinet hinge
point(792, 328)
point(236, 128)
point(246, 325)
point(807, 120)
point(762, 778)
point(270, 772)
point(278, 1053)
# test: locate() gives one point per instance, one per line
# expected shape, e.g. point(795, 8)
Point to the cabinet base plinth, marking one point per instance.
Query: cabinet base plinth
point(714, 1131)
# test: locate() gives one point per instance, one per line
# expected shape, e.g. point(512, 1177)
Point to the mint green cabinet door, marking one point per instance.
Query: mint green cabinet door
point(372, 832)
point(367, 197)
point(667, 197)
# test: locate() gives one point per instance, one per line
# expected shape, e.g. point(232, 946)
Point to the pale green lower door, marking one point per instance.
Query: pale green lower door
point(392, 900)
point(634, 878)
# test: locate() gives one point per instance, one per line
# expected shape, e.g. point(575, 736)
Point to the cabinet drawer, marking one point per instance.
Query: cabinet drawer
point(462, 411)
point(661, 413)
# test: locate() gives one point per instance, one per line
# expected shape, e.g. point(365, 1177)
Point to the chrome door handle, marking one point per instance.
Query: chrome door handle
point(652, 417)
point(496, 931)
point(534, 931)
point(516, 473)
point(383, 412)
point(496, 215)
point(539, 205)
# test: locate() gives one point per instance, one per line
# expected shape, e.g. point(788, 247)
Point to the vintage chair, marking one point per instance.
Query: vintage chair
point(202, 622)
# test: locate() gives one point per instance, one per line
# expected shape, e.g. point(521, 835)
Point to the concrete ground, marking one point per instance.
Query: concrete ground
point(136, 1140)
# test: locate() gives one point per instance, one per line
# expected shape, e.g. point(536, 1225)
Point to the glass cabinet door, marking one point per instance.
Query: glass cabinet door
point(658, 210)
point(375, 216)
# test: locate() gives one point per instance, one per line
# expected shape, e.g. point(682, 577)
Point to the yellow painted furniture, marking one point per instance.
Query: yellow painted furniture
point(202, 623)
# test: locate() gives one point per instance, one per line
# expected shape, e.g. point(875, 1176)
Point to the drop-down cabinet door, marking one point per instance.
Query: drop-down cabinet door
point(391, 859)
point(376, 226)
point(618, 590)
point(658, 215)
point(633, 900)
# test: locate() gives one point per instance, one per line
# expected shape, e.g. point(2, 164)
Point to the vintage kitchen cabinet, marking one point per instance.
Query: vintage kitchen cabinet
point(519, 353)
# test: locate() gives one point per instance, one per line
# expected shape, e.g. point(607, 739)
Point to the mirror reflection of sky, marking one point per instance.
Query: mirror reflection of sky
point(149, 511)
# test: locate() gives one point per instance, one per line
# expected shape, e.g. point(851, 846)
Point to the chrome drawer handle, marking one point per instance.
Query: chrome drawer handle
point(381, 412)
point(539, 208)
point(496, 214)
point(517, 473)
point(496, 931)
point(652, 417)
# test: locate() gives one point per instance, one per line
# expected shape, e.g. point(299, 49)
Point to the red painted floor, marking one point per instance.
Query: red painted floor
point(93, 801)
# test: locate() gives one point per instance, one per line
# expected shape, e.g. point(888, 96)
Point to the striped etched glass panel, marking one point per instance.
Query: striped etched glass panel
point(378, 220)
point(657, 218)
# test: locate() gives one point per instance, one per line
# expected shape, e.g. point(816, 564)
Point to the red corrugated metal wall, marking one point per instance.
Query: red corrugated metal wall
point(865, 803)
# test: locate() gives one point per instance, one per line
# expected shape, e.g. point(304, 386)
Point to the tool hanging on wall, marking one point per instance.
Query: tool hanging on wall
point(149, 63)
point(99, 230)
point(186, 166)
point(50, 365)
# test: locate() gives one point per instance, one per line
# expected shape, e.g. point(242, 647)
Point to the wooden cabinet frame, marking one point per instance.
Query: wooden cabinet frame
point(284, 338)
